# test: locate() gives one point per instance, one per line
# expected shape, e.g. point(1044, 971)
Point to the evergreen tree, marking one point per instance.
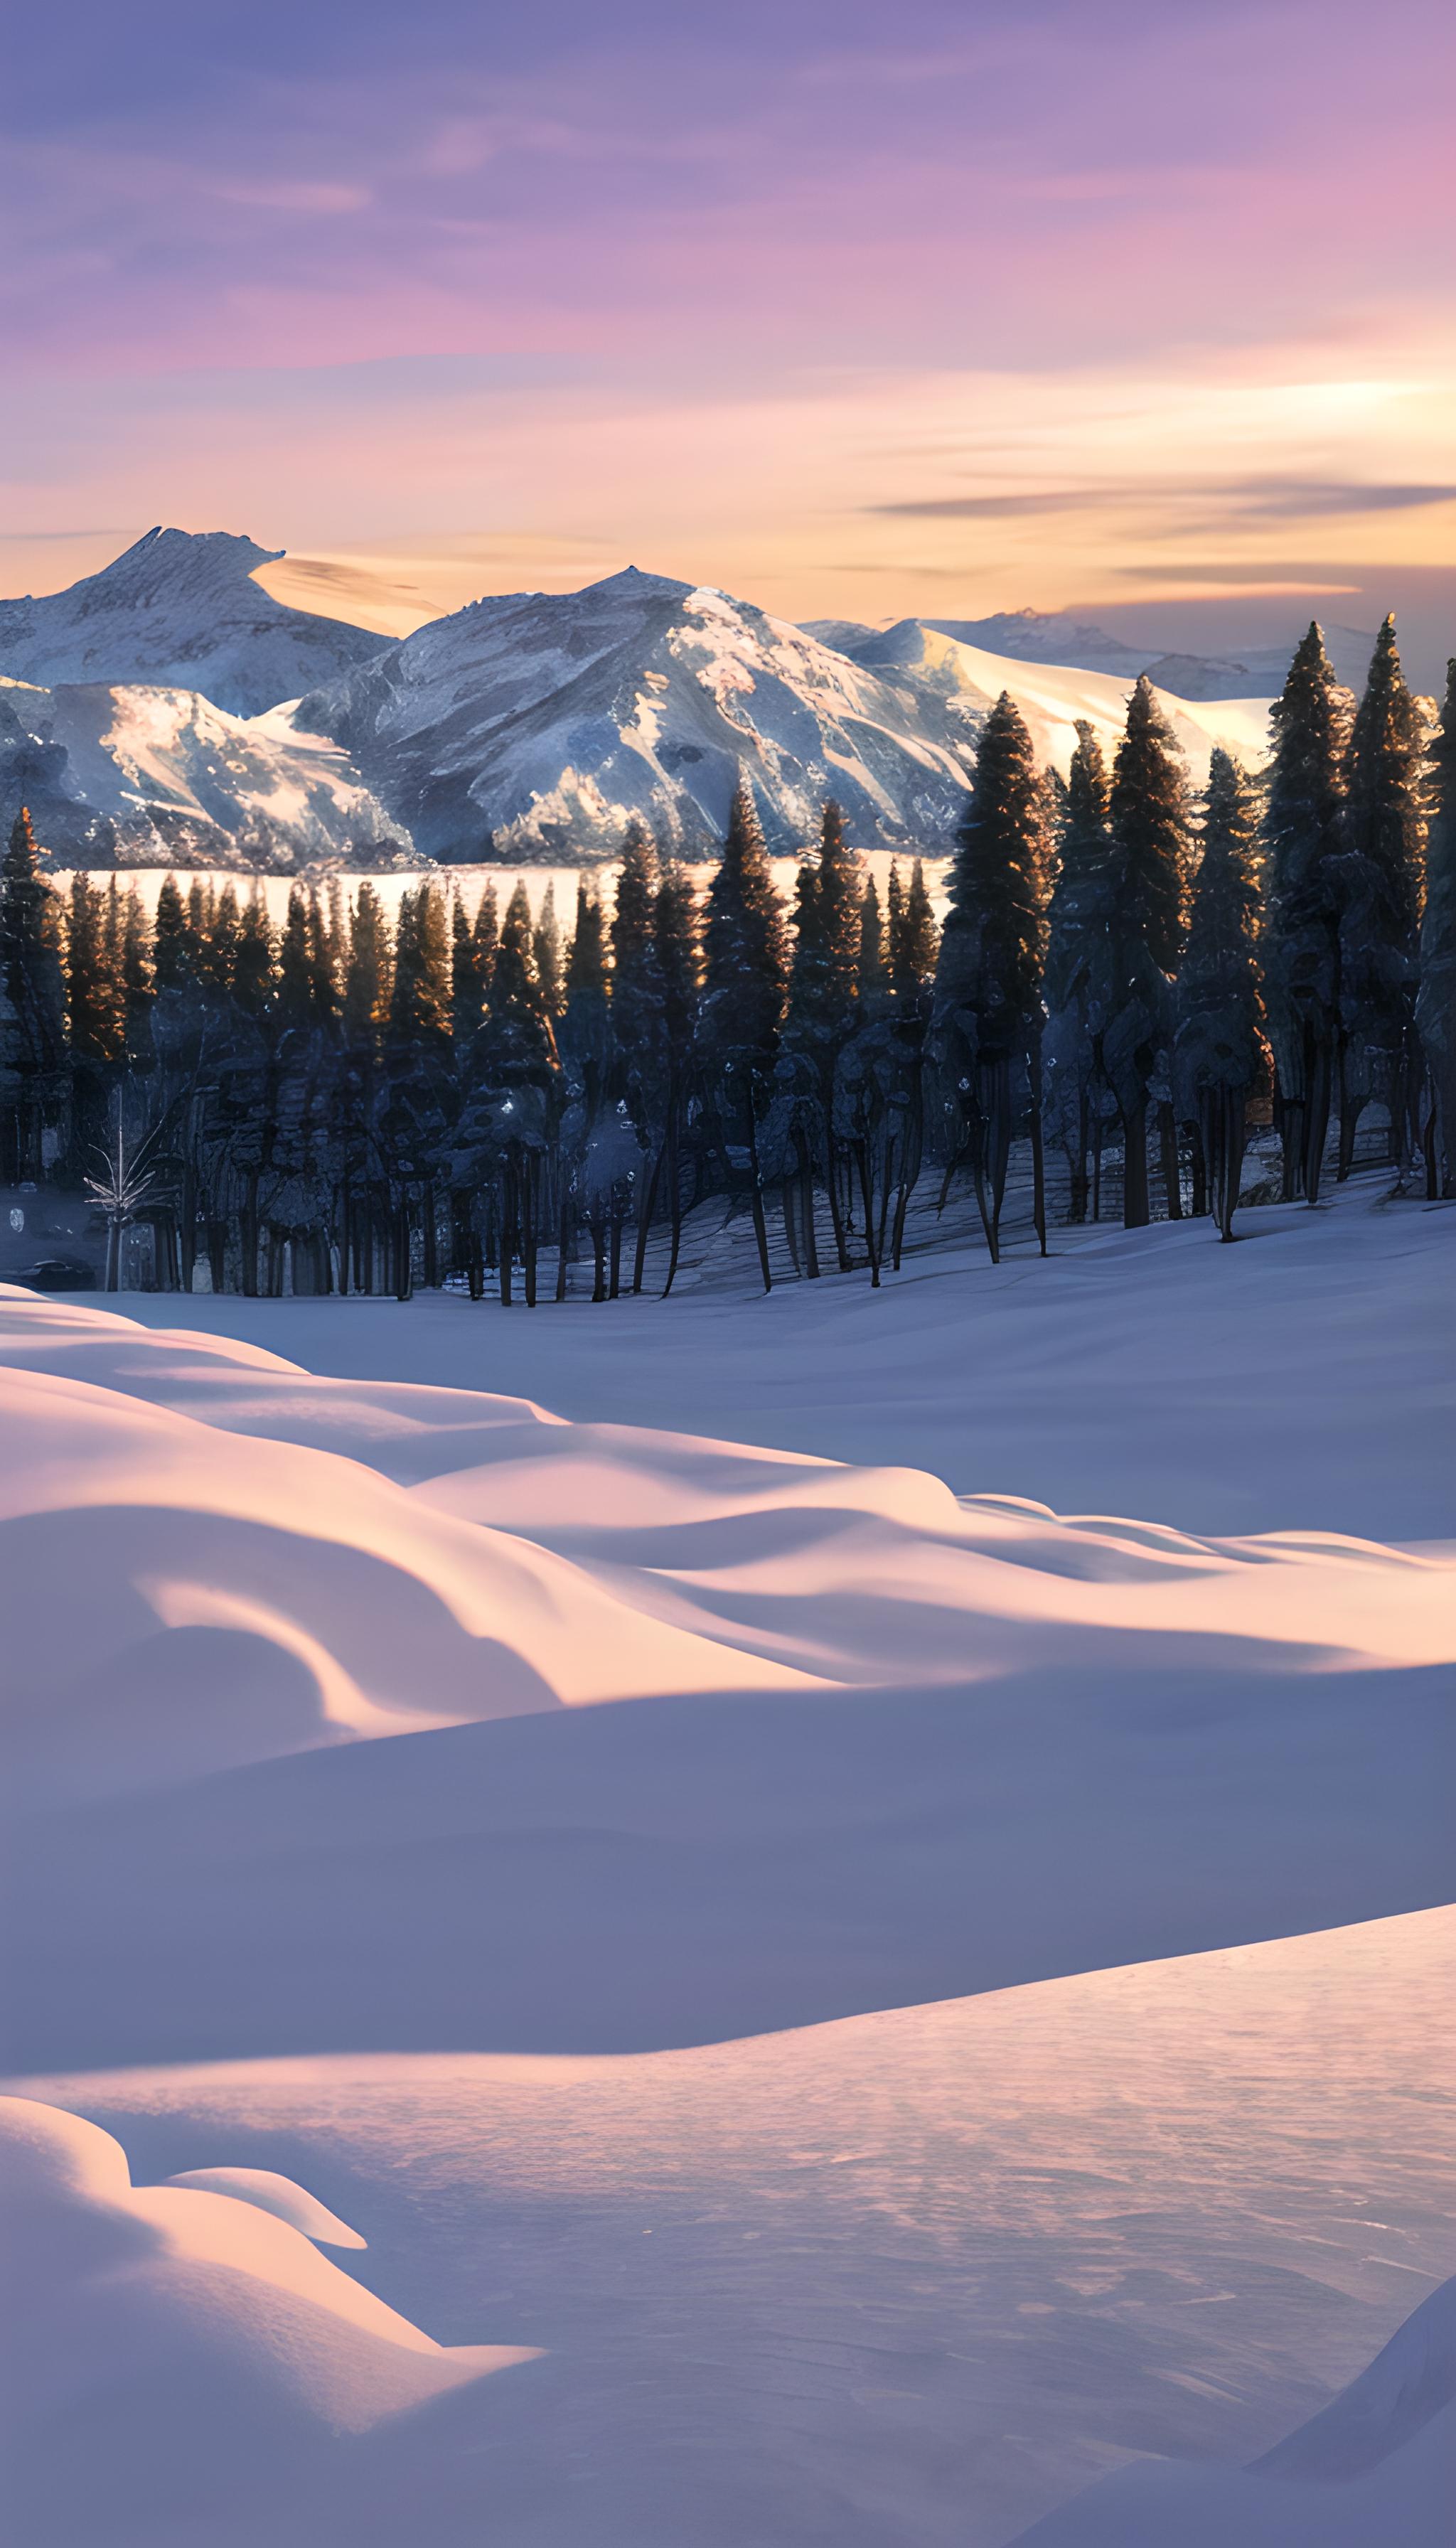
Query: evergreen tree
point(467, 991)
point(913, 961)
point(294, 993)
point(1148, 863)
point(546, 948)
point(1302, 961)
point(323, 988)
point(515, 983)
point(745, 949)
point(419, 1002)
point(369, 981)
point(507, 1124)
point(169, 939)
point(254, 968)
point(745, 977)
point(136, 990)
point(1219, 1045)
point(487, 939)
point(894, 929)
point(1379, 870)
point(638, 993)
point(32, 1047)
point(677, 935)
point(1077, 983)
point(870, 970)
point(93, 1010)
point(1435, 1006)
point(986, 1018)
point(221, 967)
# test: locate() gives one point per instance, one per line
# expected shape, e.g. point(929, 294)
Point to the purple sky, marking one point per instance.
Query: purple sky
point(851, 308)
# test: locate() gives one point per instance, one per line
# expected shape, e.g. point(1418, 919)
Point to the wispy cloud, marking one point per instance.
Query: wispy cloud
point(1259, 498)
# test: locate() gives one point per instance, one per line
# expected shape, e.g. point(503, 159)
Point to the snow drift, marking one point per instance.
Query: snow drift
point(201, 2359)
point(358, 1635)
point(1375, 2466)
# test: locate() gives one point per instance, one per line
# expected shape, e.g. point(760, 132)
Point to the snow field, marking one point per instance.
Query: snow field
point(461, 1780)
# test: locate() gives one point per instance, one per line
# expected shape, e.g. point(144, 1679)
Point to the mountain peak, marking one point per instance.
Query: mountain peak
point(635, 579)
point(171, 561)
point(180, 609)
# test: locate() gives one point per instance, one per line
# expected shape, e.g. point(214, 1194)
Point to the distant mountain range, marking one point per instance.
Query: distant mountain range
point(167, 710)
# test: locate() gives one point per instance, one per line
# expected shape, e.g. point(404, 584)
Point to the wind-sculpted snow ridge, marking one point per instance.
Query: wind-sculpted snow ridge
point(212, 2375)
point(180, 609)
point(321, 1757)
point(1374, 2469)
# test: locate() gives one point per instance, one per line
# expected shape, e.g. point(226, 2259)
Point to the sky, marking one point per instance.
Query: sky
point(1140, 310)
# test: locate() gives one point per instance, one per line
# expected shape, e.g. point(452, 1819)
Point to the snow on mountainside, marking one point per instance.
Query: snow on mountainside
point(156, 777)
point(180, 608)
point(1052, 696)
point(1054, 638)
point(532, 725)
point(529, 727)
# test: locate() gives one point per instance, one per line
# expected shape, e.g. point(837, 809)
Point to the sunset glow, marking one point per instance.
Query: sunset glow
point(955, 314)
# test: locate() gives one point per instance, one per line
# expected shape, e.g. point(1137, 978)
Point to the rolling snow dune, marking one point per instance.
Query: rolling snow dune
point(274, 1796)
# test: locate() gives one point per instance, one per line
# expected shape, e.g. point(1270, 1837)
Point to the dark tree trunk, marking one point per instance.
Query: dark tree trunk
point(1167, 1143)
point(1135, 1206)
point(1039, 1155)
point(644, 1220)
point(1316, 1118)
point(674, 1199)
point(866, 1192)
point(528, 1176)
point(563, 1244)
point(756, 1198)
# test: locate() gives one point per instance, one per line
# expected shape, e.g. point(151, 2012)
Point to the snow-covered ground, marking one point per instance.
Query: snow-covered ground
point(455, 1736)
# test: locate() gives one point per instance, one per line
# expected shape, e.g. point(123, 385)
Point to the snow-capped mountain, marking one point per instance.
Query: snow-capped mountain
point(532, 725)
point(529, 727)
point(1055, 639)
point(155, 777)
point(181, 608)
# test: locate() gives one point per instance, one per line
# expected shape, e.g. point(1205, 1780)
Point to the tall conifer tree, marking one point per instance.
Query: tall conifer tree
point(1435, 1006)
point(744, 976)
point(1219, 1047)
point(1302, 939)
point(1379, 890)
point(1147, 866)
point(986, 1018)
point(34, 1043)
point(1078, 982)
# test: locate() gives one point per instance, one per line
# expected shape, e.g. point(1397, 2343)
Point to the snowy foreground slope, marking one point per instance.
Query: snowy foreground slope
point(519, 1761)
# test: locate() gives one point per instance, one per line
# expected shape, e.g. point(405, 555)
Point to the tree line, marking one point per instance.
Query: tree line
point(1127, 972)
